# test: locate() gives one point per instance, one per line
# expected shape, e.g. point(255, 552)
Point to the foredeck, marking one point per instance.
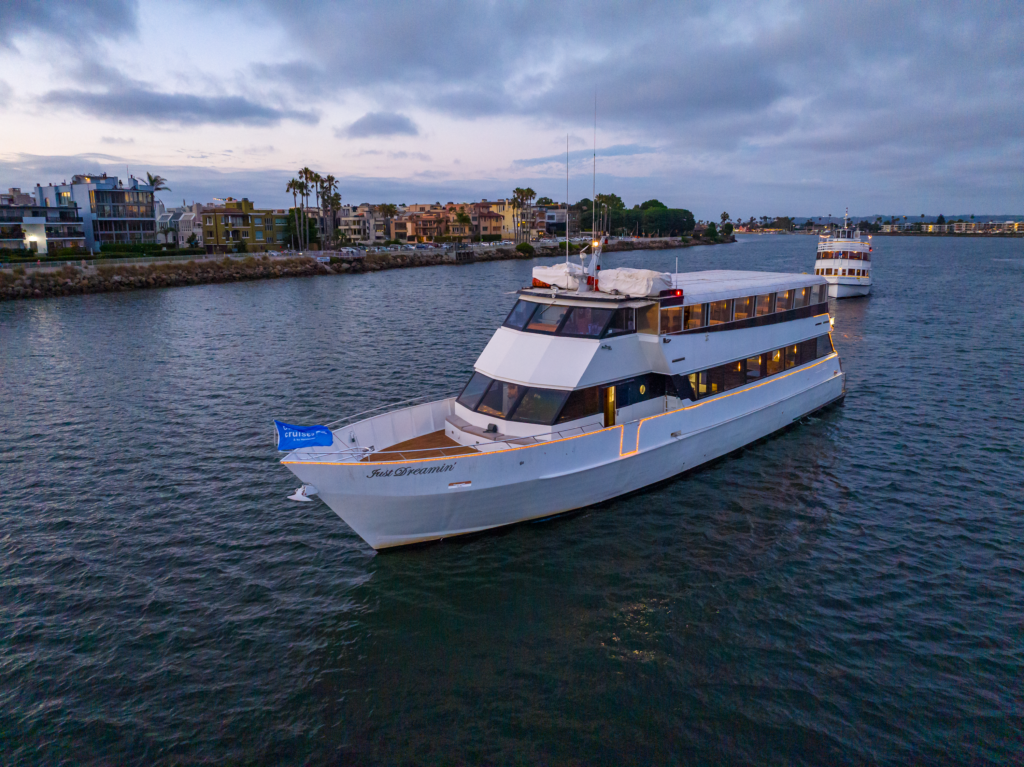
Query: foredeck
point(434, 445)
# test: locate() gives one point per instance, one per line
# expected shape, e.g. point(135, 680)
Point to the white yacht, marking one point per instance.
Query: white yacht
point(844, 260)
point(597, 384)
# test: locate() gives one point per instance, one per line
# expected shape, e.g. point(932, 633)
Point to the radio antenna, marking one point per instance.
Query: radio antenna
point(593, 201)
point(567, 204)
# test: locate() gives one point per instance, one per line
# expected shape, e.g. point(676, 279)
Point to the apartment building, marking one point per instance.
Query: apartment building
point(239, 223)
point(39, 228)
point(112, 211)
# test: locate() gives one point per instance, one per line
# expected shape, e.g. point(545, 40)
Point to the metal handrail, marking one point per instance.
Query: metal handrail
point(341, 421)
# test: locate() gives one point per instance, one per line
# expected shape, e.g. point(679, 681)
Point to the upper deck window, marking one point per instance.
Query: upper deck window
point(623, 321)
point(539, 406)
point(520, 314)
point(694, 316)
point(586, 322)
point(743, 308)
point(765, 304)
point(547, 319)
point(784, 301)
point(720, 312)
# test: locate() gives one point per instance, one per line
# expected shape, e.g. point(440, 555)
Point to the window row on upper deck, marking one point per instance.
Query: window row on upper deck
point(856, 255)
point(678, 319)
point(573, 321)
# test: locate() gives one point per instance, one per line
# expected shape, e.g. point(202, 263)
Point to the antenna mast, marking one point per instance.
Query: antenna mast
point(593, 200)
point(567, 202)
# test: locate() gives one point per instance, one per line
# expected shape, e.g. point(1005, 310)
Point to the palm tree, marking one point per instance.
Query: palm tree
point(159, 183)
point(330, 186)
point(295, 186)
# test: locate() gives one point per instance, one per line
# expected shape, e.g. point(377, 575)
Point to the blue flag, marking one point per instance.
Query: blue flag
point(293, 437)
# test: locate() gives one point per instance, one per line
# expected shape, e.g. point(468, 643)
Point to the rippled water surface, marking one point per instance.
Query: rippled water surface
point(849, 591)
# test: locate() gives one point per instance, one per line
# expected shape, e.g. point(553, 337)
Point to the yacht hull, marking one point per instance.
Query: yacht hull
point(399, 503)
point(848, 290)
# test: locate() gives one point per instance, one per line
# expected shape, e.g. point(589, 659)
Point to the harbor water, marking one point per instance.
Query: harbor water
point(848, 591)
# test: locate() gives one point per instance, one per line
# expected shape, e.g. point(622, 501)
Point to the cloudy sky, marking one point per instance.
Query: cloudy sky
point(758, 108)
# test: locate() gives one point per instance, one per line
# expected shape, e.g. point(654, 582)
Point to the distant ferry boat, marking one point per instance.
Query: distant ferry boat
point(844, 260)
point(597, 384)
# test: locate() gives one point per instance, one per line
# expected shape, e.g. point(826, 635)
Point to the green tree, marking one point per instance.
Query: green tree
point(294, 186)
point(652, 204)
point(727, 228)
point(712, 231)
point(545, 201)
point(724, 217)
point(941, 219)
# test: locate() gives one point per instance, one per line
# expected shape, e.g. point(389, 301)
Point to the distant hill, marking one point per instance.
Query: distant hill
point(980, 219)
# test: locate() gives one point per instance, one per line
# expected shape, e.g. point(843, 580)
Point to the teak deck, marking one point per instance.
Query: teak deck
point(434, 445)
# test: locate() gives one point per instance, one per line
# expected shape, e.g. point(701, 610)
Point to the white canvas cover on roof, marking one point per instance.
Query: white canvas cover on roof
point(633, 282)
point(565, 276)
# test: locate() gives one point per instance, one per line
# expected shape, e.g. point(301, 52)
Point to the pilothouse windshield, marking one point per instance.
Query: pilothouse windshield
point(573, 321)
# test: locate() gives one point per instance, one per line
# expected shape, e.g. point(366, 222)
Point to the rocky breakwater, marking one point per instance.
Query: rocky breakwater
point(70, 280)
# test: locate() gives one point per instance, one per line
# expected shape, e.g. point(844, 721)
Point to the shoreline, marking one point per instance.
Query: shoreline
point(70, 280)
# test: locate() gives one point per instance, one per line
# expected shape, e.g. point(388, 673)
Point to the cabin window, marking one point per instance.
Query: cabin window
point(539, 406)
point(580, 404)
point(754, 368)
point(784, 301)
point(694, 316)
point(824, 344)
point(720, 312)
point(500, 399)
point(765, 304)
point(520, 314)
point(547, 319)
point(586, 322)
point(647, 319)
point(672, 320)
point(623, 321)
point(743, 308)
point(734, 374)
point(474, 390)
point(803, 298)
point(822, 294)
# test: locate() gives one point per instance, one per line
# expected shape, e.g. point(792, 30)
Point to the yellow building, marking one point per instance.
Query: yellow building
point(239, 222)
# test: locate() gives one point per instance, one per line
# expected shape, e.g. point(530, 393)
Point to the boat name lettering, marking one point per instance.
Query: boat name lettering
point(407, 472)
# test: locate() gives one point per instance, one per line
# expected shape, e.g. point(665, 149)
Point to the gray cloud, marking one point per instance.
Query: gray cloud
point(379, 124)
point(70, 20)
point(117, 141)
point(5, 94)
point(138, 103)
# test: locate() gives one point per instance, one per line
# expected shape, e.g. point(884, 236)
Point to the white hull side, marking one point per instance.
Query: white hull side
point(848, 290)
point(533, 482)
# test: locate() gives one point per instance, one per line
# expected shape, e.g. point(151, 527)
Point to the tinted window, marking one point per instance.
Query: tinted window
point(754, 368)
point(474, 390)
point(520, 314)
point(822, 294)
point(744, 308)
point(784, 301)
point(580, 404)
point(547, 319)
point(672, 320)
point(734, 374)
point(719, 312)
point(803, 298)
point(585, 321)
point(623, 321)
point(808, 351)
point(539, 406)
point(775, 364)
point(792, 356)
point(639, 389)
point(693, 316)
point(824, 346)
point(647, 319)
point(500, 399)
point(765, 304)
